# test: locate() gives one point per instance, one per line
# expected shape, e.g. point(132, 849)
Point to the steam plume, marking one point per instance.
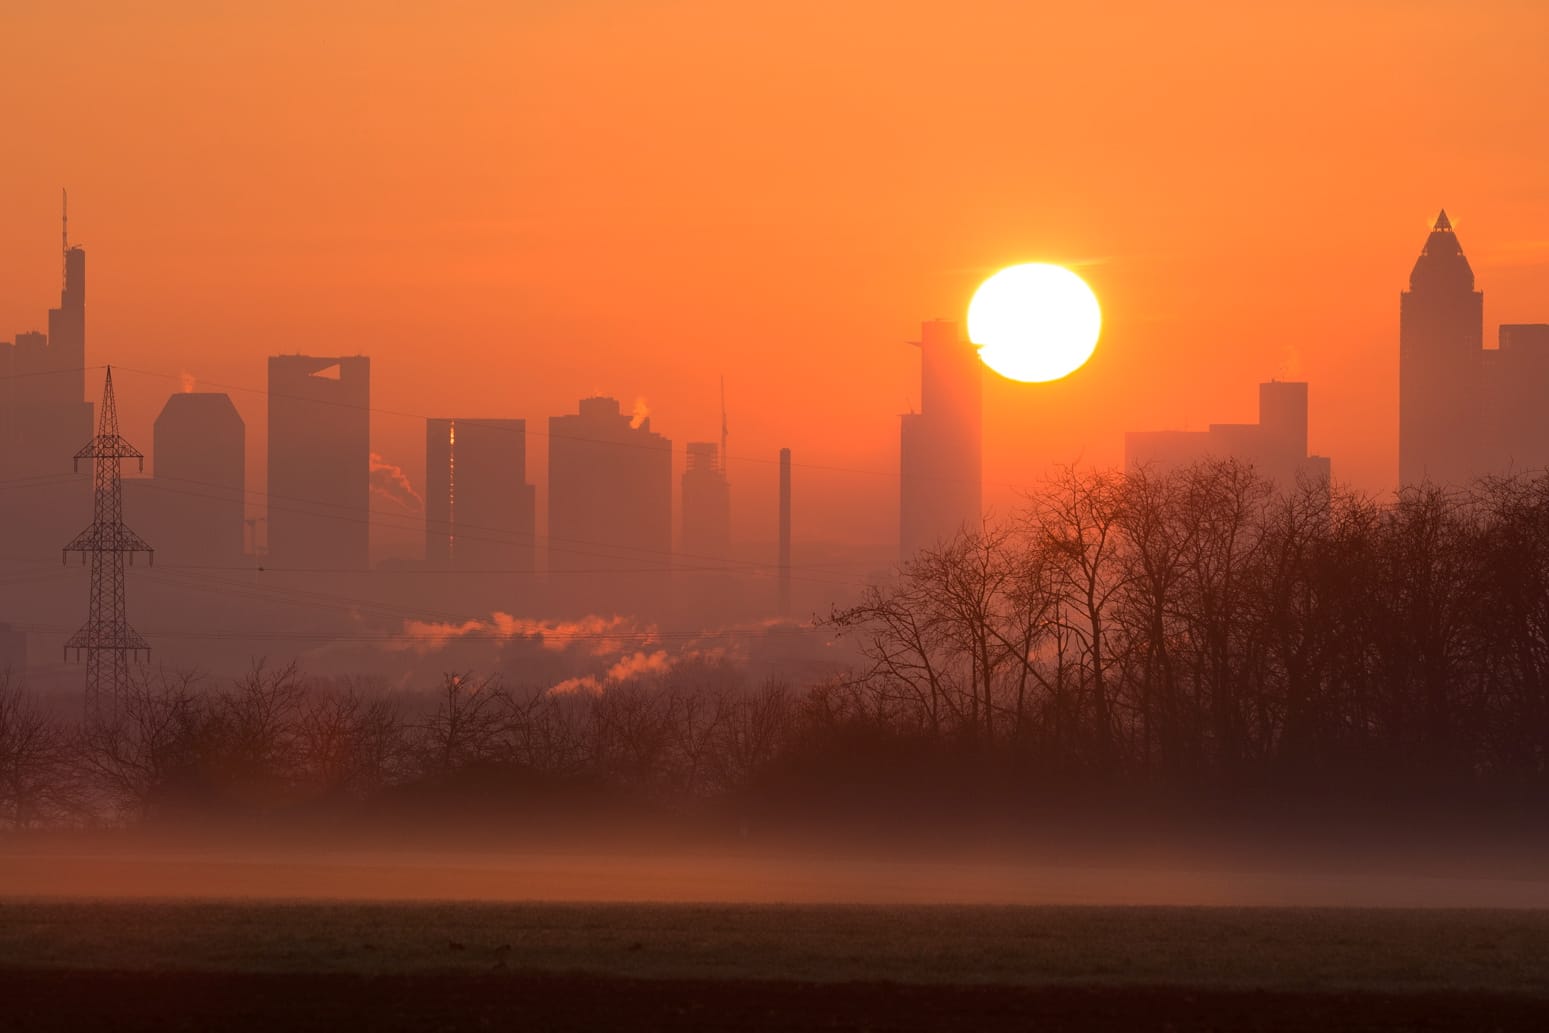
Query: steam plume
point(388, 481)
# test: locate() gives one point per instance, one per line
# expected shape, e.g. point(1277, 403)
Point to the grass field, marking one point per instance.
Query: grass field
point(1242, 948)
point(248, 965)
point(159, 938)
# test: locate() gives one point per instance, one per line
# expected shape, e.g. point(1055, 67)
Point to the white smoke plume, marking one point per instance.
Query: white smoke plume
point(640, 663)
point(573, 685)
point(389, 482)
point(639, 414)
point(593, 654)
point(592, 635)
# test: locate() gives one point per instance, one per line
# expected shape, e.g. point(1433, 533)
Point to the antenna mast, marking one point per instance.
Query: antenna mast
point(64, 235)
point(723, 425)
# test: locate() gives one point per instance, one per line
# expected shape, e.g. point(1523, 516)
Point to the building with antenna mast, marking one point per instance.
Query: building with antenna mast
point(44, 417)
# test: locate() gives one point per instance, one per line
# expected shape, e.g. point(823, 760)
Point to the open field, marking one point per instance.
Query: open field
point(63, 1001)
point(303, 965)
point(1252, 948)
point(613, 874)
point(196, 936)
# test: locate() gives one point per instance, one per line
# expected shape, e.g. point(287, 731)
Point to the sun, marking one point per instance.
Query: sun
point(1034, 322)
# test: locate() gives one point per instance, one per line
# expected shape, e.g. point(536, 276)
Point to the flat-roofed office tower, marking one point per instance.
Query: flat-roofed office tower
point(479, 508)
point(320, 462)
point(610, 492)
point(1276, 446)
point(200, 463)
point(940, 471)
point(1516, 383)
point(706, 506)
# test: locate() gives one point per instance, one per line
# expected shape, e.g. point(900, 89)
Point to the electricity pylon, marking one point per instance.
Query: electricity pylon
point(106, 639)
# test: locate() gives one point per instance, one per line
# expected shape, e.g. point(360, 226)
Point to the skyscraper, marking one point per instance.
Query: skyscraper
point(1440, 365)
point(706, 505)
point(479, 508)
point(319, 461)
point(200, 462)
point(1516, 380)
point(940, 474)
point(784, 555)
point(1465, 411)
point(44, 416)
point(610, 491)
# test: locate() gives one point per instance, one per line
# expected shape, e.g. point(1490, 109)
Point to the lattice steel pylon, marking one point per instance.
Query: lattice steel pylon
point(106, 639)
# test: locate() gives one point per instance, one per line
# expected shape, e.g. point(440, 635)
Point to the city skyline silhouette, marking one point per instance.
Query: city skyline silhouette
point(610, 515)
point(331, 498)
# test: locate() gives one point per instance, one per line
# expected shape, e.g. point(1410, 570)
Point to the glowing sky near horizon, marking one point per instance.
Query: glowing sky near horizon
point(512, 206)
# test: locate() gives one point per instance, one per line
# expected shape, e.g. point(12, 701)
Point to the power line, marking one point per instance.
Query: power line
point(493, 535)
point(353, 605)
point(494, 425)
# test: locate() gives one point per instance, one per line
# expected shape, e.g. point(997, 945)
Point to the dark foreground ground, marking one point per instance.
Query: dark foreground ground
point(165, 1001)
point(254, 965)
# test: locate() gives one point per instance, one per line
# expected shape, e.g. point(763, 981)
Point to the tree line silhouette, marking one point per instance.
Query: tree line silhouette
point(1197, 631)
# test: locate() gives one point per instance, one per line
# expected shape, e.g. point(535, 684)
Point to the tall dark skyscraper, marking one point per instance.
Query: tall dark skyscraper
point(610, 491)
point(44, 417)
point(940, 471)
point(784, 555)
point(320, 461)
point(1465, 411)
point(1440, 365)
point(479, 508)
point(200, 463)
point(706, 505)
point(1276, 445)
point(1516, 382)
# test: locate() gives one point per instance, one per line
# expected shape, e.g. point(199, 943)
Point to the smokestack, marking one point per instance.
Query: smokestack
point(785, 532)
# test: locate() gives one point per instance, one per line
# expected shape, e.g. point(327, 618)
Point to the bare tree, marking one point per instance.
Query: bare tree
point(350, 743)
point(37, 783)
point(467, 726)
point(752, 732)
point(1076, 518)
point(147, 748)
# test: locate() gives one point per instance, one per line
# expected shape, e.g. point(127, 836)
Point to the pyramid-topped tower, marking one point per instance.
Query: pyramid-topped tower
point(1465, 411)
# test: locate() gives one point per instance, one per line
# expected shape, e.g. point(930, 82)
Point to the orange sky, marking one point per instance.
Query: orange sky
point(509, 205)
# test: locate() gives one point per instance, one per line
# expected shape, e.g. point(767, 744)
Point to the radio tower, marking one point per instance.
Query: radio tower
point(106, 638)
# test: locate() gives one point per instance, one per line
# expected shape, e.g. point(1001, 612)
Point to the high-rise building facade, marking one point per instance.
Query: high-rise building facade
point(44, 420)
point(1440, 364)
point(319, 462)
point(479, 508)
point(198, 504)
point(1465, 411)
point(940, 465)
point(706, 505)
point(610, 491)
point(1276, 446)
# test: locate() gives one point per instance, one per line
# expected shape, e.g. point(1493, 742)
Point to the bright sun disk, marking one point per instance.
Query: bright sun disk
point(1034, 322)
